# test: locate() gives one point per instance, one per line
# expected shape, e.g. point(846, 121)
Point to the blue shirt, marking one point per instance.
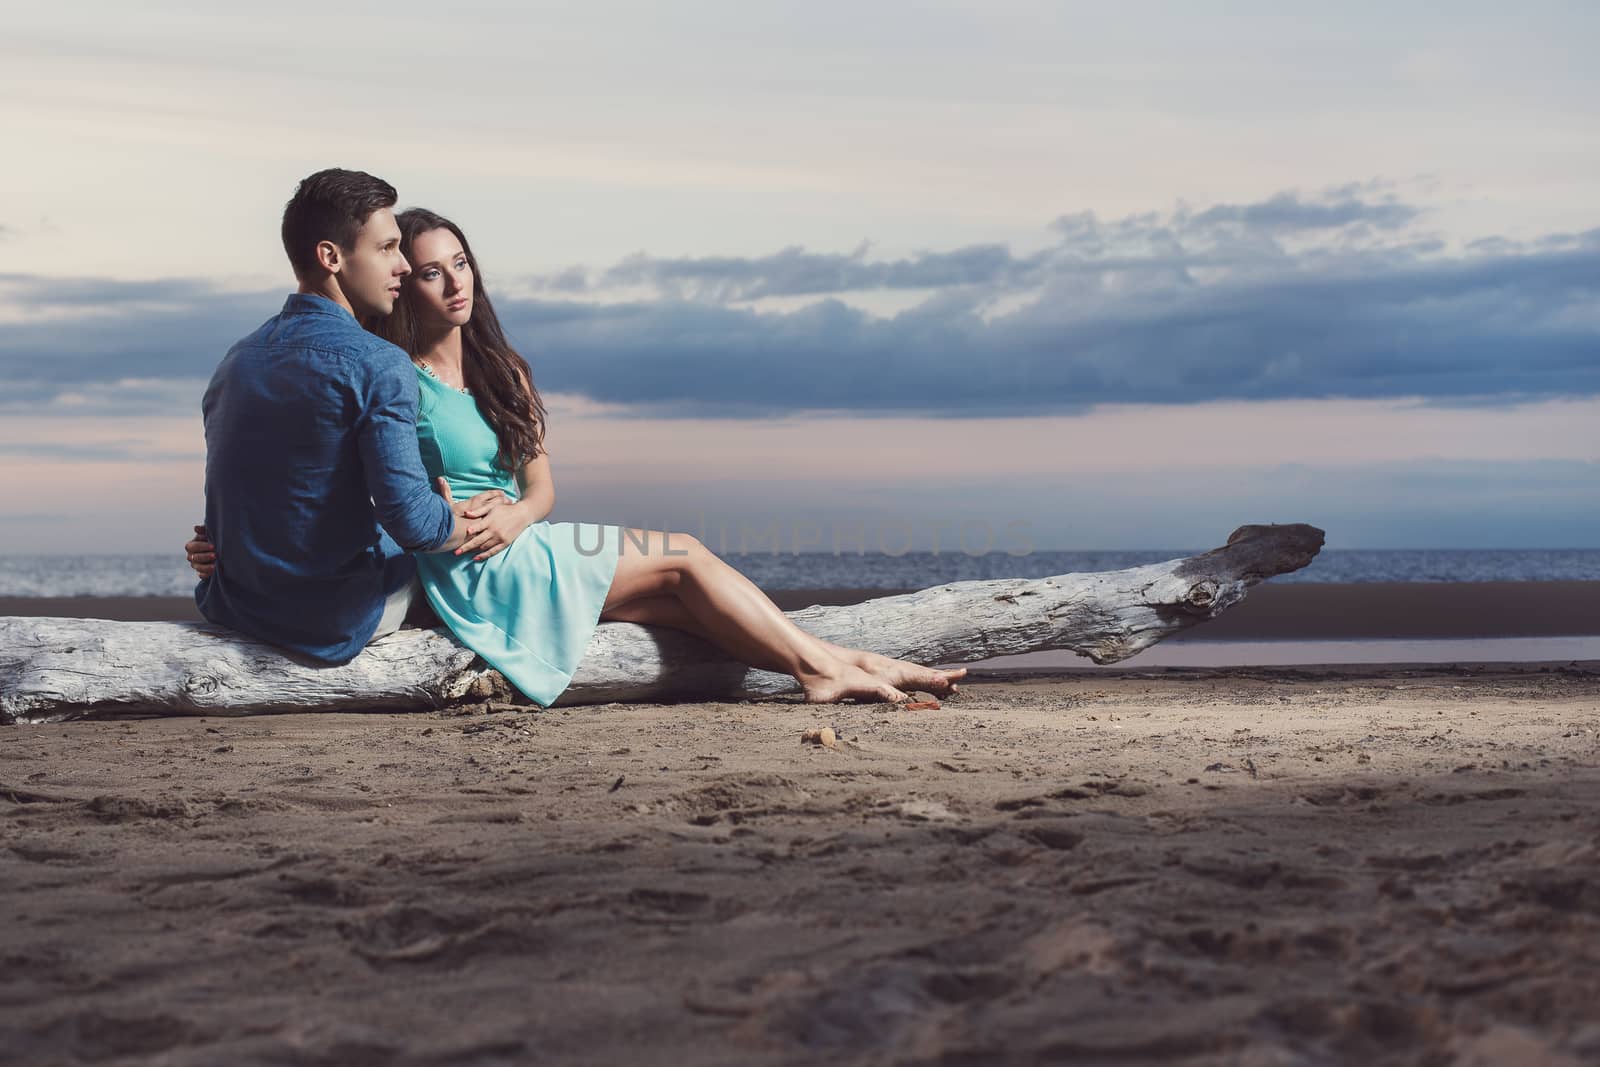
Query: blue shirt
point(315, 489)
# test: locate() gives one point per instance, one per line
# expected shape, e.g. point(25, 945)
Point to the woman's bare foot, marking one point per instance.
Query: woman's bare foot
point(905, 674)
point(900, 672)
point(849, 682)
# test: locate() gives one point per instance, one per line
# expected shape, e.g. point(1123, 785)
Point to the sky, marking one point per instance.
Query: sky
point(1114, 276)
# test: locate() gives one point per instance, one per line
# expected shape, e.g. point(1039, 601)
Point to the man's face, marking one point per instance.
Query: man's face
point(370, 270)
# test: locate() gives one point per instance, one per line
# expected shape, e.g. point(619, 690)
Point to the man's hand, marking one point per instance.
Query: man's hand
point(201, 553)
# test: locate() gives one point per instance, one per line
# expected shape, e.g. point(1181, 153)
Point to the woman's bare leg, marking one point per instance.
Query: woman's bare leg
point(751, 628)
point(669, 611)
point(898, 672)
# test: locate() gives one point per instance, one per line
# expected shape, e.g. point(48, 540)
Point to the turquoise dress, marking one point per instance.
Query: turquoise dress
point(531, 609)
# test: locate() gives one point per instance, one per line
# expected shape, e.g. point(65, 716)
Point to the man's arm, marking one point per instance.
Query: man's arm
point(413, 512)
point(202, 554)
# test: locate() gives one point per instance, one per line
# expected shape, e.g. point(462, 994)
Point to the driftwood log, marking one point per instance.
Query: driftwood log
point(58, 669)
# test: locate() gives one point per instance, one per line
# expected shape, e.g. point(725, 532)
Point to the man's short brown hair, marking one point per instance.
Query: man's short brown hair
point(330, 205)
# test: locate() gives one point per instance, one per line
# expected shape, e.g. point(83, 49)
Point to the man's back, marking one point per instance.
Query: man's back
point(310, 448)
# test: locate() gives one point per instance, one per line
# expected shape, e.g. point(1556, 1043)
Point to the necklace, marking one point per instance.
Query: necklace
point(430, 372)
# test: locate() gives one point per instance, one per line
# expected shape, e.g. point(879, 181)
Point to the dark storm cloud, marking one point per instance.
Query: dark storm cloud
point(1335, 295)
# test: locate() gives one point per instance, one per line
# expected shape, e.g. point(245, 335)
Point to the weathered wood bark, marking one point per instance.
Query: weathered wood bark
point(57, 669)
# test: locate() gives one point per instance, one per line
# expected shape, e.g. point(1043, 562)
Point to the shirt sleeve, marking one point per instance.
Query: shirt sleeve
point(408, 508)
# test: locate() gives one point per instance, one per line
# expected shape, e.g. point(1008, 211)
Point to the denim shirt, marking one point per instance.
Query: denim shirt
point(315, 489)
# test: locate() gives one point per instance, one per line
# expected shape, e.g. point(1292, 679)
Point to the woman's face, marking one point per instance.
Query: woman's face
point(440, 286)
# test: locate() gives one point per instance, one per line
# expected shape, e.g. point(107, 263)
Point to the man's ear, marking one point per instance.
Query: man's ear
point(329, 256)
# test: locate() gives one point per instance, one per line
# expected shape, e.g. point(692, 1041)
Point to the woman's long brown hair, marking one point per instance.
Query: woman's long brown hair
point(496, 375)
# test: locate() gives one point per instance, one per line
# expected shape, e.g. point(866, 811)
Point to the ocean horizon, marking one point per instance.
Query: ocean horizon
point(161, 574)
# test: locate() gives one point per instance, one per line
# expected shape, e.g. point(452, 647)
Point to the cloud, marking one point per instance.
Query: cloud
point(1231, 235)
point(795, 272)
point(1287, 213)
point(121, 450)
point(104, 399)
point(91, 345)
point(46, 294)
point(1334, 294)
point(1172, 324)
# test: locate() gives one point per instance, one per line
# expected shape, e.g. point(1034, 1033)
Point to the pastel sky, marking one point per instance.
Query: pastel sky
point(1126, 275)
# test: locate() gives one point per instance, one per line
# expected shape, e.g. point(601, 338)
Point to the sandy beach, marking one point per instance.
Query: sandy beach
point(1281, 866)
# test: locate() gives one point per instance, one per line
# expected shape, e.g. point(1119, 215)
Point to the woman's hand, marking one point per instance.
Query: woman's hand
point(499, 523)
point(201, 553)
point(479, 506)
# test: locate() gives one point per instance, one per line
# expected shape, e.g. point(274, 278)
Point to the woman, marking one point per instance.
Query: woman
point(526, 594)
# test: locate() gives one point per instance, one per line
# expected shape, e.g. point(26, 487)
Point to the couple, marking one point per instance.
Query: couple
point(350, 467)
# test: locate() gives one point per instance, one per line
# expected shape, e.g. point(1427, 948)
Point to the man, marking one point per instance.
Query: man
point(315, 490)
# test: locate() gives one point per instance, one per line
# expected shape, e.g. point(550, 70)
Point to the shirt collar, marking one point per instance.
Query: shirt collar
point(312, 304)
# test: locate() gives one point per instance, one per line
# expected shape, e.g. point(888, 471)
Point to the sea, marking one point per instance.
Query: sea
point(166, 574)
